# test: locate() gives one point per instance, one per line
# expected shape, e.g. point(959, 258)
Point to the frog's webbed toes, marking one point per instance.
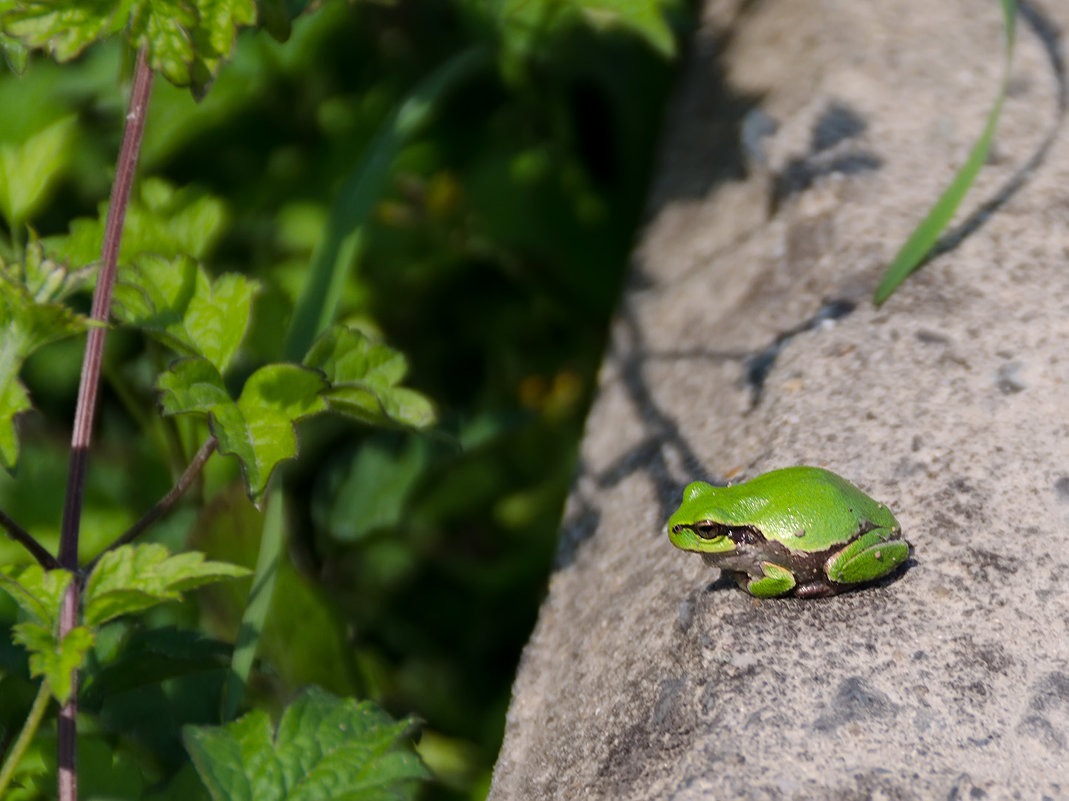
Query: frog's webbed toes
point(776, 581)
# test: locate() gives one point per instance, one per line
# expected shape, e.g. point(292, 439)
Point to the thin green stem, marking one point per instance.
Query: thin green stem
point(29, 729)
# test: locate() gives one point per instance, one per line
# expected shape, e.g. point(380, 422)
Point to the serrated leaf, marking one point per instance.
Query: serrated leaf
point(175, 301)
point(164, 28)
point(26, 325)
point(55, 661)
point(133, 578)
point(324, 747)
point(186, 40)
point(214, 37)
point(37, 591)
point(363, 380)
point(258, 426)
point(62, 28)
point(28, 168)
point(191, 386)
point(161, 220)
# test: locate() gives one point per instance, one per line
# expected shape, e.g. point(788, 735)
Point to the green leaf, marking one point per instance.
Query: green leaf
point(27, 169)
point(133, 578)
point(55, 661)
point(162, 221)
point(376, 486)
point(363, 380)
point(258, 427)
point(16, 53)
point(186, 40)
point(324, 747)
point(920, 242)
point(28, 324)
point(37, 591)
point(213, 38)
point(176, 301)
point(163, 26)
point(62, 28)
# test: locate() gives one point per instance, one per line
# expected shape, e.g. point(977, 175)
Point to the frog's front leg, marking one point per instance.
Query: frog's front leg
point(875, 553)
point(775, 580)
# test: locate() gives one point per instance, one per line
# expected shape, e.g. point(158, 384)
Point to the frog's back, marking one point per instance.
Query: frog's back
point(811, 508)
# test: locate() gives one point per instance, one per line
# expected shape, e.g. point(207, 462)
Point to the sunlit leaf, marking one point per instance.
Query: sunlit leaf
point(364, 378)
point(37, 591)
point(133, 578)
point(159, 220)
point(324, 747)
point(176, 301)
point(27, 325)
point(52, 659)
point(258, 426)
point(15, 52)
point(213, 38)
point(186, 40)
point(61, 27)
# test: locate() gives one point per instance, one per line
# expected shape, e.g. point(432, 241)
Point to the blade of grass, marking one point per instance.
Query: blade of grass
point(316, 306)
point(356, 200)
point(920, 242)
point(255, 615)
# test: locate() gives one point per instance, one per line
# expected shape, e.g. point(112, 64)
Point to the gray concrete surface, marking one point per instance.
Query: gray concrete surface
point(748, 341)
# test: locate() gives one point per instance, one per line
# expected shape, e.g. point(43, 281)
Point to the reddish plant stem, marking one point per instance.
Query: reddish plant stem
point(87, 395)
point(26, 540)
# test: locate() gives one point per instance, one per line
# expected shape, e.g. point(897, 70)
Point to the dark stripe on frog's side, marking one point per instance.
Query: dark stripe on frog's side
point(751, 546)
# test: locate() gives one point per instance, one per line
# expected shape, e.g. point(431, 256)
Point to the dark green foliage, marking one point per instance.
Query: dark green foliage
point(489, 255)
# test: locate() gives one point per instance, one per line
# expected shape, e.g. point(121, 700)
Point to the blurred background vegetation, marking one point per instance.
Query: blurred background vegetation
point(493, 261)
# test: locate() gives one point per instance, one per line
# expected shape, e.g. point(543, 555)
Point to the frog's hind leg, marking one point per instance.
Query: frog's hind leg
point(775, 581)
point(875, 553)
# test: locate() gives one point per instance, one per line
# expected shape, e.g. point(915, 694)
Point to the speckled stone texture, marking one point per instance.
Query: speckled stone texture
point(748, 341)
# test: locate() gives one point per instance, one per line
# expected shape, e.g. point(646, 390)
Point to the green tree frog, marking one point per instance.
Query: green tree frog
point(802, 531)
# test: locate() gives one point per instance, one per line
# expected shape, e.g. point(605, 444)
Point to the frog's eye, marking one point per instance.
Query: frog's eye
point(708, 530)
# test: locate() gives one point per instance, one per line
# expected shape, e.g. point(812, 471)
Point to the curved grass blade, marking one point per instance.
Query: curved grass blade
point(257, 607)
point(357, 198)
point(315, 310)
point(920, 242)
